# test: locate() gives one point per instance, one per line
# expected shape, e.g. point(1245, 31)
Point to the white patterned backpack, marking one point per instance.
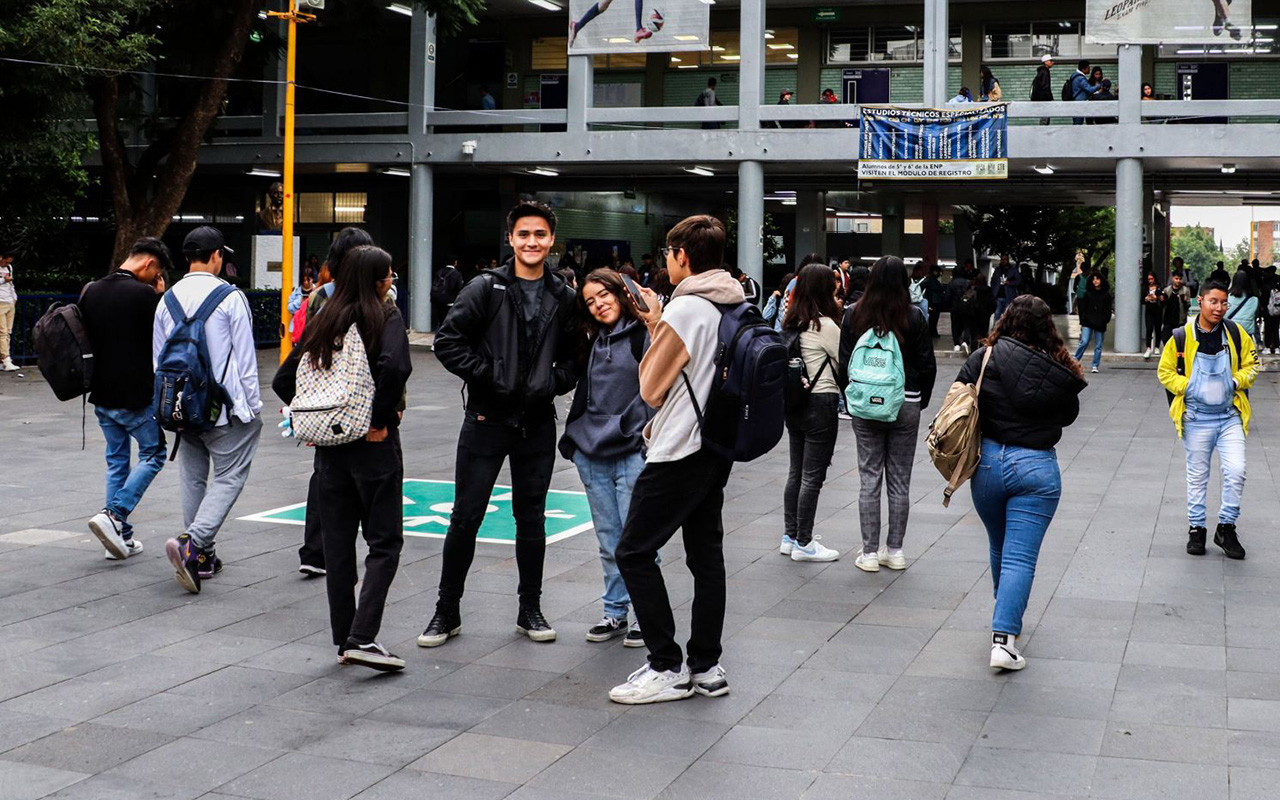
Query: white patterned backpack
point(334, 406)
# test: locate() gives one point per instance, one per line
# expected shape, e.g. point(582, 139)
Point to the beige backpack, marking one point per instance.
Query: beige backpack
point(955, 439)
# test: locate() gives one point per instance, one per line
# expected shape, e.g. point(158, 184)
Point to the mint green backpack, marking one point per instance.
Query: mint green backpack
point(877, 378)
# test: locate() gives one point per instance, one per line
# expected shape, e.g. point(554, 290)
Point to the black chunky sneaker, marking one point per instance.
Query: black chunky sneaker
point(447, 622)
point(532, 624)
point(1195, 540)
point(607, 628)
point(1225, 537)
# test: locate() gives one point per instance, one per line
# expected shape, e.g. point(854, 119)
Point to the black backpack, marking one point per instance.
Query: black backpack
point(1180, 342)
point(64, 350)
point(1068, 93)
point(799, 386)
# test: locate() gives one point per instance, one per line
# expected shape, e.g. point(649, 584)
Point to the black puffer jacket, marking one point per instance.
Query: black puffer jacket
point(1027, 398)
point(512, 377)
point(1095, 308)
point(918, 361)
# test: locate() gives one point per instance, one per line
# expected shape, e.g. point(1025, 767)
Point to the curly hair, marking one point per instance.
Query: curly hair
point(1028, 319)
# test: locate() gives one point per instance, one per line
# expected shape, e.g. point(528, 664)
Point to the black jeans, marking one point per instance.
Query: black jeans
point(312, 551)
point(1271, 333)
point(813, 440)
point(935, 311)
point(359, 488)
point(482, 447)
point(959, 323)
point(1155, 324)
point(687, 494)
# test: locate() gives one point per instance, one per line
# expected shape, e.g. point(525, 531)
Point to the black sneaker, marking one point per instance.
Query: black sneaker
point(1195, 540)
point(531, 623)
point(372, 655)
point(634, 637)
point(1225, 537)
point(447, 622)
point(607, 628)
point(185, 558)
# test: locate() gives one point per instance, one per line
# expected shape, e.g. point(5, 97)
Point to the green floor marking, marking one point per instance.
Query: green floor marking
point(427, 505)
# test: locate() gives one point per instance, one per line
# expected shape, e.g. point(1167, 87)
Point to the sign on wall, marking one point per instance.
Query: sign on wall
point(1159, 21)
point(934, 143)
point(636, 26)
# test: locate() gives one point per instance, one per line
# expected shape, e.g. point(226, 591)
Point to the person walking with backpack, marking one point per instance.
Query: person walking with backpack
point(604, 432)
point(1207, 368)
point(1152, 312)
point(1242, 307)
point(1042, 84)
point(445, 287)
point(1269, 309)
point(812, 336)
point(119, 312)
point(887, 364)
point(1177, 304)
point(1006, 283)
point(1095, 316)
point(512, 336)
point(916, 288)
point(682, 484)
point(1029, 393)
point(203, 334)
point(360, 482)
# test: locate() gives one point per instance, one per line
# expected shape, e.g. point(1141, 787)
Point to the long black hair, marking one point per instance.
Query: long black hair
point(611, 280)
point(1239, 285)
point(814, 298)
point(356, 300)
point(885, 306)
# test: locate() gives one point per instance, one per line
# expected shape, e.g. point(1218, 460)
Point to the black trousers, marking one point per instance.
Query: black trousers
point(482, 447)
point(1155, 326)
point(359, 489)
point(312, 551)
point(1271, 332)
point(688, 495)
point(812, 434)
point(959, 325)
point(934, 313)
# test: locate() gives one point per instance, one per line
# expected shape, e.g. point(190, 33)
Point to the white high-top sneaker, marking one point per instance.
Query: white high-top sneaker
point(1004, 652)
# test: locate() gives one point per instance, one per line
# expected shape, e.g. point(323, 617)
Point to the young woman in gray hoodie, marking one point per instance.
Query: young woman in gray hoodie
point(604, 434)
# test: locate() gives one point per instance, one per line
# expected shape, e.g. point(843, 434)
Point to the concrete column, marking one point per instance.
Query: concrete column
point(811, 224)
point(581, 91)
point(808, 66)
point(1129, 76)
point(655, 67)
point(1128, 254)
point(421, 234)
point(892, 238)
point(935, 52)
point(1159, 233)
point(970, 55)
point(929, 224)
point(751, 72)
point(422, 70)
point(751, 217)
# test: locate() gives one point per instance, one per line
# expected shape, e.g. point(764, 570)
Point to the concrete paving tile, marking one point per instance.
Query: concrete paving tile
point(353, 698)
point(377, 742)
point(1132, 779)
point(630, 775)
point(545, 722)
point(256, 685)
point(1028, 771)
point(657, 734)
point(32, 781)
point(1253, 715)
point(76, 700)
point(1176, 655)
point(491, 758)
point(203, 765)
point(295, 776)
point(863, 787)
point(87, 748)
point(795, 750)
point(838, 718)
point(414, 785)
point(1166, 708)
point(108, 786)
point(706, 779)
point(1166, 743)
point(1253, 749)
point(929, 762)
point(485, 681)
point(439, 710)
point(822, 683)
point(1020, 731)
point(1248, 783)
point(174, 714)
point(271, 728)
point(946, 725)
point(913, 690)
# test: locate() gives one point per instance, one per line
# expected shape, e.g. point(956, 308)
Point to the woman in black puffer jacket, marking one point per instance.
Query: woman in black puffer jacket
point(1030, 392)
point(1095, 316)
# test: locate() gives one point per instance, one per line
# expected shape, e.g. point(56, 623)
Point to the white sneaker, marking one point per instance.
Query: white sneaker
point(965, 345)
point(8, 366)
point(131, 545)
point(107, 529)
point(1147, 354)
point(956, 349)
point(1094, 370)
point(814, 551)
point(647, 685)
point(785, 547)
point(1004, 653)
point(868, 562)
point(711, 683)
point(893, 559)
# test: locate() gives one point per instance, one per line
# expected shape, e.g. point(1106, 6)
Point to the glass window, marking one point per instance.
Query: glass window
point(896, 43)
point(848, 45)
point(1061, 39)
point(315, 207)
point(1007, 40)
point(781, 45)
point(348, 207)
point(550, 53)
point(724, 49)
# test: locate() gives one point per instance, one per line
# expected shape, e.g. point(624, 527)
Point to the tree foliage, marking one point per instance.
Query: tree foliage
point(1050, 236)
point(1197, 249)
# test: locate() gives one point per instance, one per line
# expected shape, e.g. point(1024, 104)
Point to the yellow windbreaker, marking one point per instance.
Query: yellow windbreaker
point(1245, 371)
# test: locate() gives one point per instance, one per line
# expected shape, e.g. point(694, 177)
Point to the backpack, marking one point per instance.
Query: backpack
point(188, 398)
point(1180, 342)
point(700, 100)
point(916, 289)
point(1068, 91)
point(799, 386)
point(969, 297)
point(877, 378)
point(1273, 303)
point(64, 350)
point(744, 416)
point(955, 438)
point(299, 322)
point(439, 291)
point(334, 406)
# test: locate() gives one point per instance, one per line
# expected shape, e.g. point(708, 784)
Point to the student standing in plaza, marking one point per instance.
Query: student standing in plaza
point(1152, 313)
point(1208, 366)
point(962, 297)
point(1006, 281)
point(8, 309)
point(228, 447)
point(1030, 392)
point(359, 484)
point(812, 428)
point(1095, 316)
point(512, 335)
point(604, 432)
point(119, 312)
point(886, 449)
point(1177, 304)
point(1242, 307)
point(682, 485)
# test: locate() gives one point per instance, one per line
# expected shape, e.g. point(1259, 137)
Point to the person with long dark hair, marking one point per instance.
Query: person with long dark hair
point(811, 316)
point(1095, 316)
point(1242, 307)
point(1152, 312)
point(360, 483)
point(886, 450)
point(1029, 393)
point(773, 306)
point(604, 433)
point(988, 86)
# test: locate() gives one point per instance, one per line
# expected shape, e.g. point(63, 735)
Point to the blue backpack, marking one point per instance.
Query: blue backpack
point(188, 398)
point(744, 416)
point(877, 378)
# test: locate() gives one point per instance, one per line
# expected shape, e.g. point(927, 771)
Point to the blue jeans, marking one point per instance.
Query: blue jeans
point(1097, 336)
point(1015, 492)
point(1201, 434)
point(609, 482)
point(125, 484)
point(1001, 304)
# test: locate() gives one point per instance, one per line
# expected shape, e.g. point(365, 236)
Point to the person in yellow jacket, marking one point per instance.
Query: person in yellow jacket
point(1207, 368)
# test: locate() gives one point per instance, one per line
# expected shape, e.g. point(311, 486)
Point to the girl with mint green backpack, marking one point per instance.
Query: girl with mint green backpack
point(887, 368)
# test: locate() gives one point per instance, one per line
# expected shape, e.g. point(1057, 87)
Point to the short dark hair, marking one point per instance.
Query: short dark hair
point(530, 208)
point(1212, 286)
point(702, 239)
point(348, 239)
point(711, 82)
point(152, 246)
point(1083, 66)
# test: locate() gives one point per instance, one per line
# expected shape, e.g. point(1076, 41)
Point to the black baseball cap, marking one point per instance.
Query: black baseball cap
point(205, 239)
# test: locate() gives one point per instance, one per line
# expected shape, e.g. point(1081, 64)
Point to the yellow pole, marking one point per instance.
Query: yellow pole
point(286, 268)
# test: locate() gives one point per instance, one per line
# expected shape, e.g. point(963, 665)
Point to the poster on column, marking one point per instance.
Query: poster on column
point(1172, 21)
point(637, 26)
point(963, 143)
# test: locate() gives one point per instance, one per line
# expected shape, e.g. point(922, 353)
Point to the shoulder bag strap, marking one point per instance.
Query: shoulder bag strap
point(982, 372)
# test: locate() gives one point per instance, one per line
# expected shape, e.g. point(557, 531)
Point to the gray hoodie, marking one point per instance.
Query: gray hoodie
point(607, 417)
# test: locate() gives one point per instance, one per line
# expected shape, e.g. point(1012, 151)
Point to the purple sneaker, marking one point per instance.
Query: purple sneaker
point(186, 559)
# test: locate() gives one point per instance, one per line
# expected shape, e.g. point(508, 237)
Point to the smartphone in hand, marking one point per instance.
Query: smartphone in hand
point(634, 291)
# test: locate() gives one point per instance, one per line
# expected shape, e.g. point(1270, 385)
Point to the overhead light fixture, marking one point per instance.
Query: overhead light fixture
point(709, 2)
point(544, 172)
point(264, 173)
point(715, 48)
point(768, 34)
point(687, 66)
point(703, 171)
point(547, 4)
point(793, 55)
point(675, 60)
point(397, 171)
point(1228, 169)
point(400, 8)
point(790, 202)
point(348, 209)
point(1043, 169)
point(618, 40)
point(783, 46)
point(731, 58)
point(688, 37)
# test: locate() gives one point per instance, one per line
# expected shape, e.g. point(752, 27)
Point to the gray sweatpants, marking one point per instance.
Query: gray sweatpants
point(886, 448)
point(230, 448)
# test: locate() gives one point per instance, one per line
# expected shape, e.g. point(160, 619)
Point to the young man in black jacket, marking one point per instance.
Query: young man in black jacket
point(512, 336)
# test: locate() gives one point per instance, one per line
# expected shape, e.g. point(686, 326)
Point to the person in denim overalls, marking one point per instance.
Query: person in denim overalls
point(1207, 368)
